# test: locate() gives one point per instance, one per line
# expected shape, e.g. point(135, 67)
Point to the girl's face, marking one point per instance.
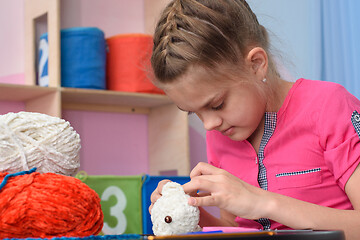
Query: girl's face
point(234, 107)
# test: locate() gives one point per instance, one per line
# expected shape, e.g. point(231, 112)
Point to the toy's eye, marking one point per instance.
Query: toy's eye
point(168, 219)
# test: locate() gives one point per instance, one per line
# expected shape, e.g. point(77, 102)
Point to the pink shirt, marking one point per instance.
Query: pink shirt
point(309, 153)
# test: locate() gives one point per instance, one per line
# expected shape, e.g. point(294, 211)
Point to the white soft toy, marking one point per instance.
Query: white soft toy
point(171, 213)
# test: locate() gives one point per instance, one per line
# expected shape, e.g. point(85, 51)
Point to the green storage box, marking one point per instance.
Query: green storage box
point(120, 201)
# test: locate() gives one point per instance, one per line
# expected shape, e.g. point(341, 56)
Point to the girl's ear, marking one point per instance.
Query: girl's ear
point(258, 62)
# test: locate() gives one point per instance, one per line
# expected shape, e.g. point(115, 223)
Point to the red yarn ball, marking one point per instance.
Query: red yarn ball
point(48, 205)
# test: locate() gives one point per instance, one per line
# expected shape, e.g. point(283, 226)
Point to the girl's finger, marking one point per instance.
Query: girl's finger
point(161, 184)
point(157, 192)
point(204, 183)
point(203, 194)
point(150, 207)
point(203, 168)
point(202, 201)
point(154, 197)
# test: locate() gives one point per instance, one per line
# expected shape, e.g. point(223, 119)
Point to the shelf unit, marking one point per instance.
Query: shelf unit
point(168, 128)
point(36, 99)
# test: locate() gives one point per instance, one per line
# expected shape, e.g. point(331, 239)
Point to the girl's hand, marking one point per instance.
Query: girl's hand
point(219, 188)
point(156, 194)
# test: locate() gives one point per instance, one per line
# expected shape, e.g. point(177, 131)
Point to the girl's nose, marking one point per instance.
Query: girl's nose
point(211, 121)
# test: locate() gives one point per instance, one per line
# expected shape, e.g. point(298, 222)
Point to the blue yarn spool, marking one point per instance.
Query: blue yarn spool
point(83, 58)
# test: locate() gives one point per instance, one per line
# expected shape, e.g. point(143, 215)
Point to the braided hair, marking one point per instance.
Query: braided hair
point(204, 32)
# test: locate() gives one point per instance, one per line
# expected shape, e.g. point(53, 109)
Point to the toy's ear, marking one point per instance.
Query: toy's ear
point(172, 188)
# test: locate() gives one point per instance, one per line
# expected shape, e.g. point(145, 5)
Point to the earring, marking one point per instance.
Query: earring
point(264, 80)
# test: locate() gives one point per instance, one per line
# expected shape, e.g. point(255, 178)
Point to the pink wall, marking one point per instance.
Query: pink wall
point(112, 143)
point(12, 38)
point(13, 79)
point(6, 106)
point(112, 16)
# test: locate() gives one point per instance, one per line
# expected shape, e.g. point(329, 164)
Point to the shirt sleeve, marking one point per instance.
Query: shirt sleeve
point(338, 133)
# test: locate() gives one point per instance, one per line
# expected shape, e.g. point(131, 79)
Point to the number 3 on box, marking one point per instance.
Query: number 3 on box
point(116, 210)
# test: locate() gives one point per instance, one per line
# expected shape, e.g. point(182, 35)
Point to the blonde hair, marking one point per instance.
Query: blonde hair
point(205, 32)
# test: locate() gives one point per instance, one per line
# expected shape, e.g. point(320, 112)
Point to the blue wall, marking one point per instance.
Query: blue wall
point(315, 39)
point(295, 33)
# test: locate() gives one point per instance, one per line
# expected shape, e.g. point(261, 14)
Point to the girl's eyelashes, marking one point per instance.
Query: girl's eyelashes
point(219, 107)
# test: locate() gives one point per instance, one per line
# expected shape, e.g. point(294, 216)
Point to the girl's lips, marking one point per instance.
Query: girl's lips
point(228, 131)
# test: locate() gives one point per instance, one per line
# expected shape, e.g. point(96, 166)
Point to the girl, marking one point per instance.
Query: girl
point(281, 155)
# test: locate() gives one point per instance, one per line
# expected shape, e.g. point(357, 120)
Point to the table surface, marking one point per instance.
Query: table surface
point(261, 235)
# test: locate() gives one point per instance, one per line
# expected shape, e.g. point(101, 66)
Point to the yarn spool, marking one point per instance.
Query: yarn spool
point(128, 63)
point(30, 140)
point(48, 205)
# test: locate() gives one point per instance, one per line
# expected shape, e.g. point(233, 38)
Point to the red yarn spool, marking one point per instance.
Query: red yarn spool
point(128, 63)
point(48, 205)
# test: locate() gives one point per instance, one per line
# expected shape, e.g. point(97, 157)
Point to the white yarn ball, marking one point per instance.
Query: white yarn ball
point(171, 213)
point(30, 140)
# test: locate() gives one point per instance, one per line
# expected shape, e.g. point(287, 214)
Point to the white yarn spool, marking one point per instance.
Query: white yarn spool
point(30, 140)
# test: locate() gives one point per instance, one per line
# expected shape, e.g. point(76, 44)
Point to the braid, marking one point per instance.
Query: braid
point(204, 32)
point(167, 28)
point(180, 38)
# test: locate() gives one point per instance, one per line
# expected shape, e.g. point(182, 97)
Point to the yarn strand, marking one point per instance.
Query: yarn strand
point(4, 181)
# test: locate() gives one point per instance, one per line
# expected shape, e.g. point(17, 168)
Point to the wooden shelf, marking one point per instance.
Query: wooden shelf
point(111, 101)
point(23, 93)
point(36, 99)
point(76, 95)
point(86, 99)
point(16, 92)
